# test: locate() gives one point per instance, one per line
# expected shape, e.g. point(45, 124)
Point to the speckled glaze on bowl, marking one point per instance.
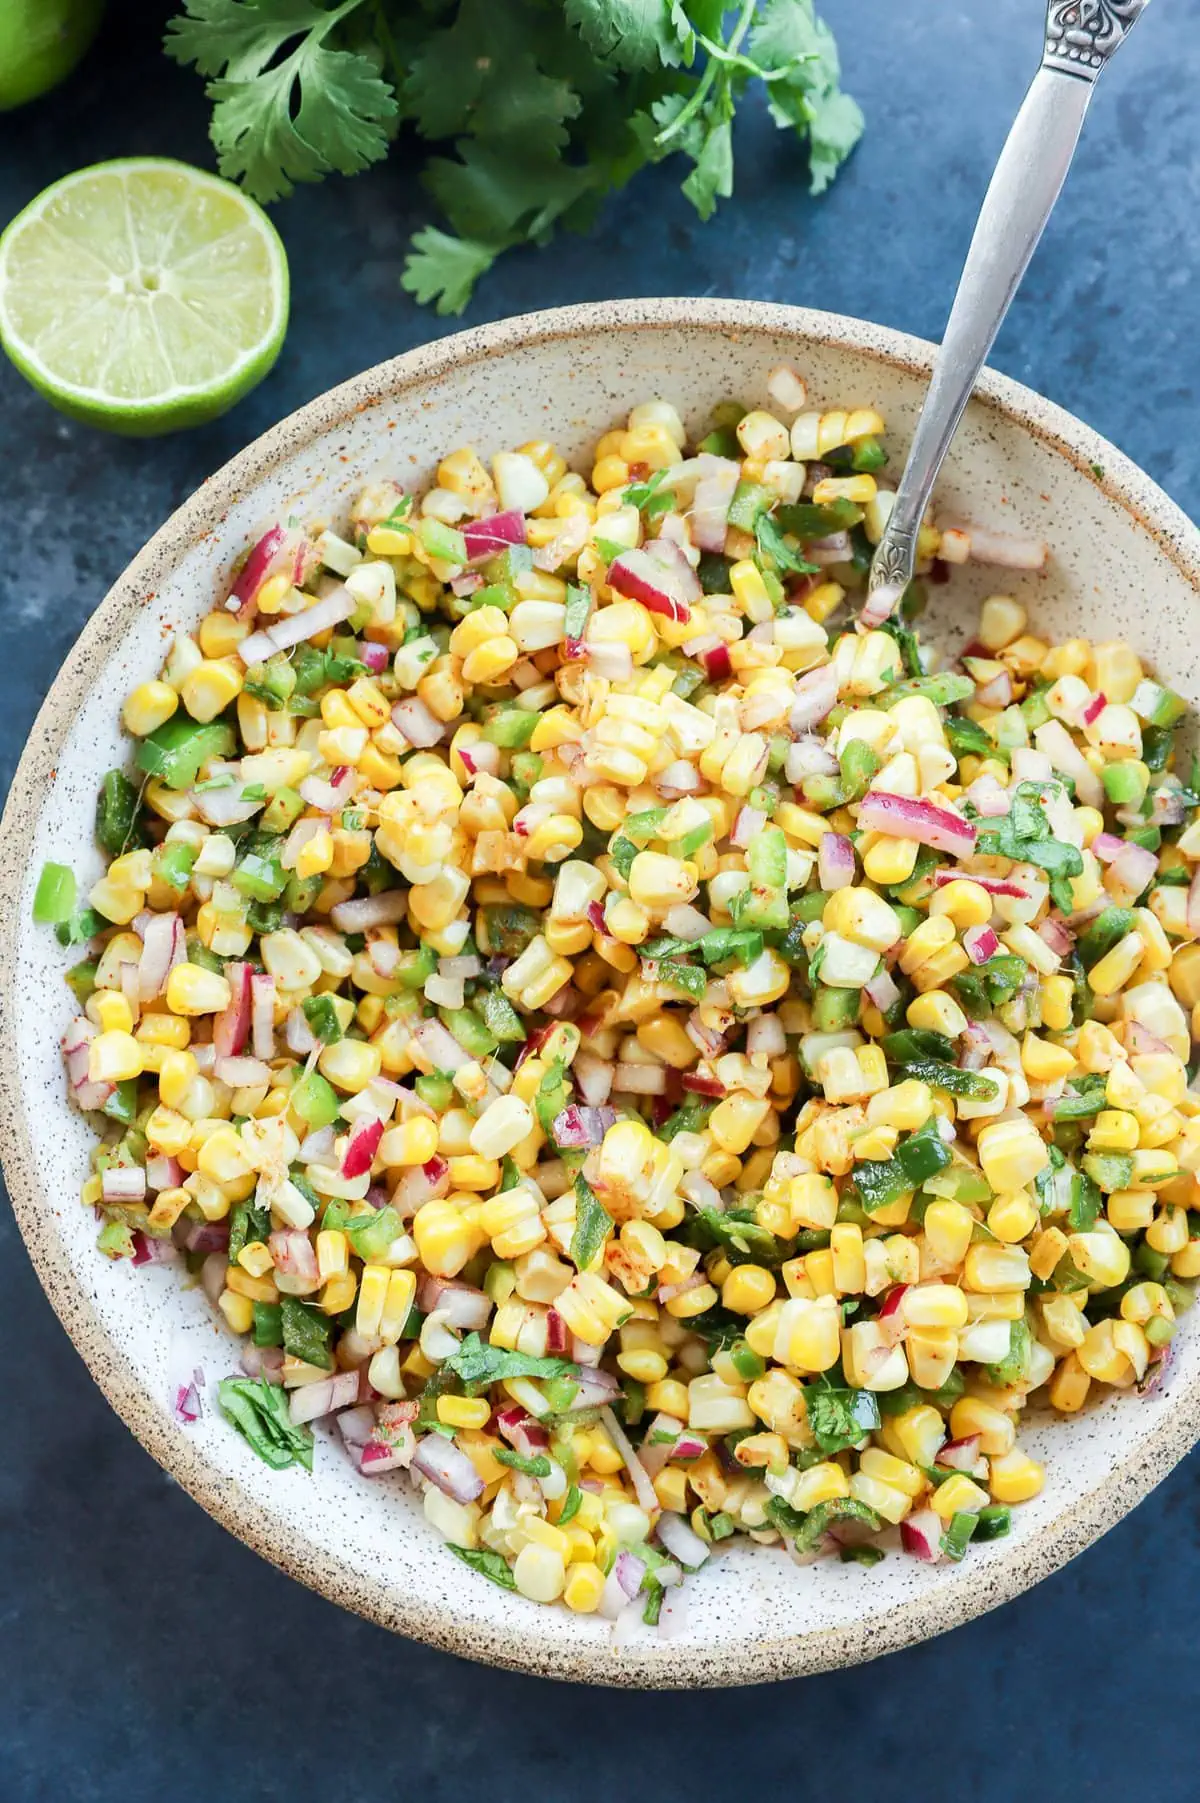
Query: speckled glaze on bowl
point(1126, 563)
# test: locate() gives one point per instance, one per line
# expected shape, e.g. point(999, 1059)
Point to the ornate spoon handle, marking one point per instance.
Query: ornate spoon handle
point(1081, 37)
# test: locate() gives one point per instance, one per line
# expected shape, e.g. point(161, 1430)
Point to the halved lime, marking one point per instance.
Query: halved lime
point(40, 43)
point(142, 295)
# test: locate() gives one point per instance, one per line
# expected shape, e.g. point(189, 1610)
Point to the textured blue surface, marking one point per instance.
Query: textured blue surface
point(146, 1653)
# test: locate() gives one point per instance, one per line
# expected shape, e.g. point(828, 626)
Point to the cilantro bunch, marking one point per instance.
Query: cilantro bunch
point(538, 108)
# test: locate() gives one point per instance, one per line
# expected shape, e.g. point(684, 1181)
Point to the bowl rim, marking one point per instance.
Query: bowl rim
point(677, 1665)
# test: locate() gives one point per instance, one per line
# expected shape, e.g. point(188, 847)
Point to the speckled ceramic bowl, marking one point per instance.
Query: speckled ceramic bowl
point(1126, 563)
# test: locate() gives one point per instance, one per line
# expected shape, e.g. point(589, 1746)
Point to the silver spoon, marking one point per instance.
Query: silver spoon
point(1082, 36)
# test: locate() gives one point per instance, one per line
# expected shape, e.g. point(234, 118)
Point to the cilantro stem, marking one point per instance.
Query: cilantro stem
point(687, 113)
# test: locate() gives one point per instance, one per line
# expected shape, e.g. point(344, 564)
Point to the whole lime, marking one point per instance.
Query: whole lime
point(40, 43)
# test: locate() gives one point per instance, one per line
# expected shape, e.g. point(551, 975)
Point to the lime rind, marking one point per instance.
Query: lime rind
point(142, 295)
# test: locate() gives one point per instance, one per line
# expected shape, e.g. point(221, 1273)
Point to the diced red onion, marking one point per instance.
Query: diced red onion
point(262, 1015)
point(292, 1253)
point(679, 778)
point(1056, 744)
point(594, 1077)
point(420, 1184)
point(1003, 549)
point(567, 543)
point(439, 1044)
point(809, 756)
point(294, 629)
point(980, 944)
point(232, 1026)
point(903, 818)
point(242, 1073)
point(328, 798)
point(447, 1466)
point(460, 1304)
point(709, 516)
point(921, 1535)
point(379, 1455)
point(596, 1388)
point(1139, 1041)
point(123, 1183)
point(993, 884)
point(558, 1335)
point(163, 1172)
point(1132, 870)
point(640, 1079)
point(75, 1043)
point(959, 1455)
point(361, 1147)
point(643, 1489)
point(977, 1048)
point(212, 1275)
point(276, 549)
point(765, 1035)
point(1058, 937)
point(882, 990)
point(523, 1433)
point(749, 822)
point(833, 548)
point(164, 944)
point(382, 910)
point(298, 1036)
point(674, 1533)
point(375, 656)
point(667, 1292)
point(988, 797)
point(664, 585)
point(815, 696)
point(486, 537)
point(718, 665)
point(835, 861)
point(202, 1236)
point(997, 693)
point(356, 1425)
point(310, 1401)
point(577, 1126)
point(187, 1403)
point(419, 726)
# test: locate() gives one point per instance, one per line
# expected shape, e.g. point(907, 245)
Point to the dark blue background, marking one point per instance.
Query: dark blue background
point(145, 1652)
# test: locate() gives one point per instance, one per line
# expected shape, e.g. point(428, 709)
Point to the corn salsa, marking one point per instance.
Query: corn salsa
point(629, 1046)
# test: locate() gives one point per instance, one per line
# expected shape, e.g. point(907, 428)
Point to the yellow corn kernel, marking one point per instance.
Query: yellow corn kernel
point(463, 1411)
point(191, 989)
point(1043, 1062)
point(1046, 1252)
point(819, 1484)
point(1012, 1153)
point(584, 1588)
point(149, 706)
point(747, 1289)
point(1068, 1388)
point(947, 1229)
point(209, 689)
point(1057, 998)
point(970, 1415)
point(1015, 1478)
point(237, 1310)
point(1117, 966)
point(966, 903)
point(958, 1493)
point(114, 1058)
point(1013, 1218)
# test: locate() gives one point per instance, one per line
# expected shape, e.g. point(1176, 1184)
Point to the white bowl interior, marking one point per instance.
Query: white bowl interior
point(753, 1613)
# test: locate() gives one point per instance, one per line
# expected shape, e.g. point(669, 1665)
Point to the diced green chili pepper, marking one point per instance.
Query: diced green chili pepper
point(116, 813)
point(174, 752)
point(54, 897)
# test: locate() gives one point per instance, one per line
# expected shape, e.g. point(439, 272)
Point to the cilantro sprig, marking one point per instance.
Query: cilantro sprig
point(535, 111)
